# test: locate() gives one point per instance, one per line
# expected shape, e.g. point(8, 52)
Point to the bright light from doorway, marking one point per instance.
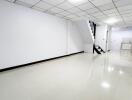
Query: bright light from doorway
point(111, 21)
point(77, 1)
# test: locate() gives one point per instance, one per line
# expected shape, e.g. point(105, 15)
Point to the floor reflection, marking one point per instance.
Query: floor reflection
point(80, 77)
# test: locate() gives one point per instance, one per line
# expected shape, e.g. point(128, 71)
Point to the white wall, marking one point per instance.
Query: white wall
point(109, 38)
point(75, 40)
point(118, 34)
point(101, 36)
point(27, 36)
point(84, 27)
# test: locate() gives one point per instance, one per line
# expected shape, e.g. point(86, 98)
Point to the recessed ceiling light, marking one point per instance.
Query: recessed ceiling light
point(111, 21)
point(110, 69)
point(105, 85)
point(121, 72)
point(77, 1)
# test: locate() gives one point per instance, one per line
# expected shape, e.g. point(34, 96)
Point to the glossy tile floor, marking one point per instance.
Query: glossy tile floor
point(80, 77)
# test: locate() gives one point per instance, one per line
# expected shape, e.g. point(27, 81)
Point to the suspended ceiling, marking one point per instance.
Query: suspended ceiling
point(96, 10)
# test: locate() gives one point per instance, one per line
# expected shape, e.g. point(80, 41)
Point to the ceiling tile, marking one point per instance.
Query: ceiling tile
point(127, 15)
point(81, 18)
point(10, 0)
point(54, 2)
point(77, 19)
point(110, 11)
point(86, 6)
point(65, 5)
point(126, 12)
point(88, 16)
point(98, 14)
point(106, 6)
point(113, 15)
point(120, 3)
point(59, 15)
point(125, 8)
point(56, 10)
point(81, 13)
point(67, 18)
point(74, 10)
point(31, 2)
point(23, 4)
point(121, 23)
point(50, 12)
point(43, 5)
point(65, 13)
point(100, 2)
point(71, 16)
point(116, 0)
point(101, 17)
point(128, 20)
point(38, 8)
point(92, 10)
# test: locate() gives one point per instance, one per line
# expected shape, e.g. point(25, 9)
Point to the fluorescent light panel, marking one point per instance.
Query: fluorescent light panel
point(105, 84)
point(77, 1)
point(111, 21)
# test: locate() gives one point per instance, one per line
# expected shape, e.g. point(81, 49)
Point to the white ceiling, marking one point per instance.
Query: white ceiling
point(96, 10)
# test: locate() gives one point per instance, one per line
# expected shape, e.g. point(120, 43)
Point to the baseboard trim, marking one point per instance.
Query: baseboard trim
point(25, 65)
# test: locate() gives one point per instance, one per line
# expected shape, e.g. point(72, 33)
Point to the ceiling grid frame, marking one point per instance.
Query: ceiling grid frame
point(96, 10)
